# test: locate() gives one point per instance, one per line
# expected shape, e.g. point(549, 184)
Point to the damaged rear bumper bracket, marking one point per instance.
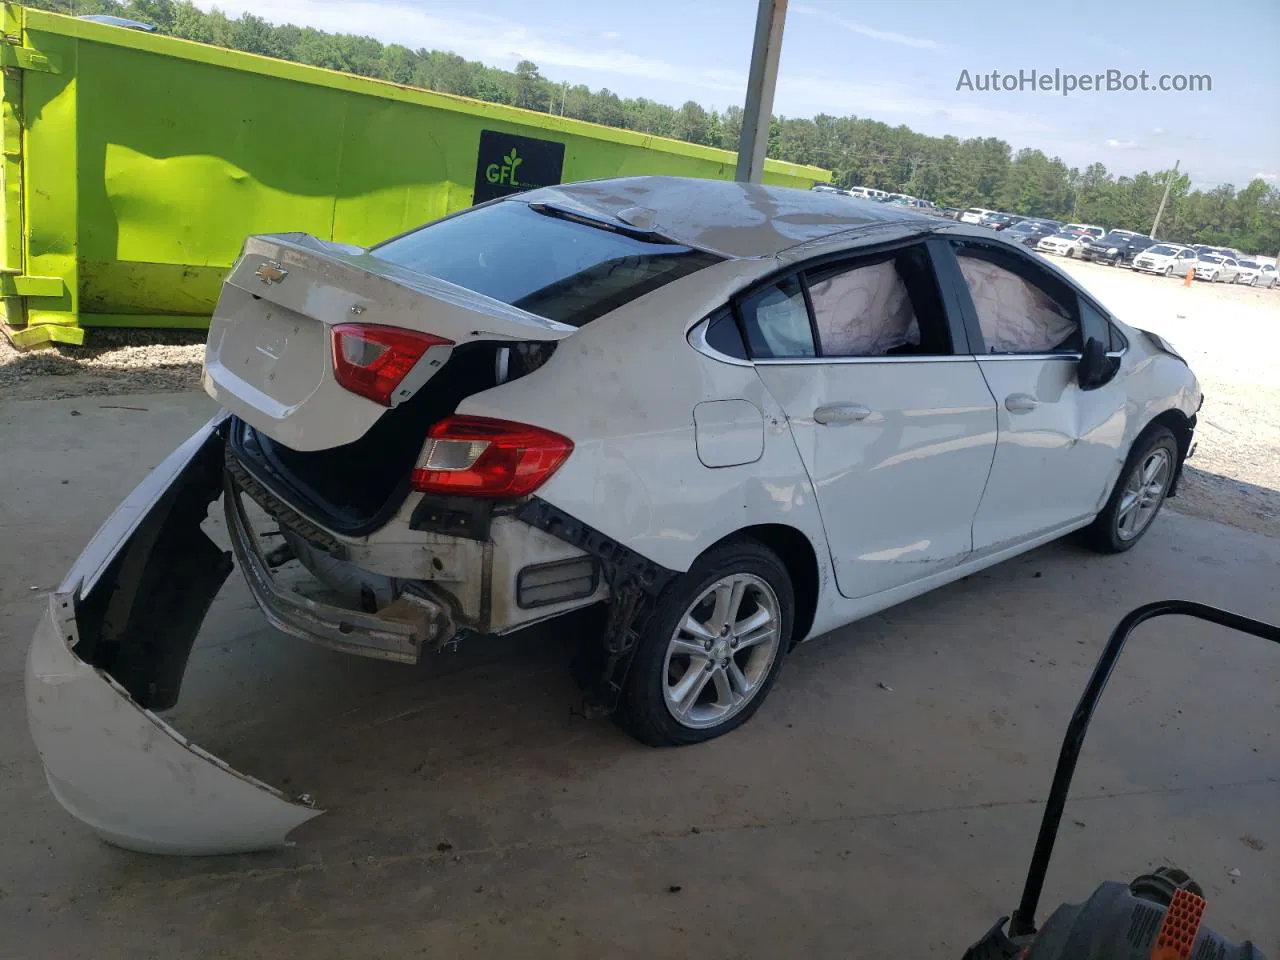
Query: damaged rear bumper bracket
point(634, 585)
point(400, 631)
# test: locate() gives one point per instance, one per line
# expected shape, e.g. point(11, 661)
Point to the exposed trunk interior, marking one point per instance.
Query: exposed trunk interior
point(355, 488)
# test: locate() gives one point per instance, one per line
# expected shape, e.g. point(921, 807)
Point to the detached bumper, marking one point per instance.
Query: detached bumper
point(115, 641)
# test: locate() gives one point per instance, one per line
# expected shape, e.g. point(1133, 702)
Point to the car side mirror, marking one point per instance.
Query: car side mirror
point(1095, 368)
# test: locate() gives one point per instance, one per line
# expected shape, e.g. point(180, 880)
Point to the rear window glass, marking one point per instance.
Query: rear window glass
point(560, 269)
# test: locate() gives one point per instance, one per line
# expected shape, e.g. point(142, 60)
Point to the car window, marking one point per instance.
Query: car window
point(884, 306)
point(776, 321)
point(1021, 307)
point(559, 268)
point(724, 336)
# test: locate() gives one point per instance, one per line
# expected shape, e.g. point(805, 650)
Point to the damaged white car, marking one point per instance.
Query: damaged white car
point(740, 416)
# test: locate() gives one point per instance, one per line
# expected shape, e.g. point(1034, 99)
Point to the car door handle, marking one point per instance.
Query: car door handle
point(1020, 403)
point(838, 414)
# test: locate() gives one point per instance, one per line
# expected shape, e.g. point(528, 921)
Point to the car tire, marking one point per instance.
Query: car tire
point(1124, 520)
point(667, 662)
point(1070, 253)
point(1168, 271)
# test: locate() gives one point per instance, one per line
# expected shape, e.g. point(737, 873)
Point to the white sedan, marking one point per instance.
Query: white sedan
point(1216, 268)
point(735, 416)
point(1256, 274)
point(1064, 243)
point(1166, 259)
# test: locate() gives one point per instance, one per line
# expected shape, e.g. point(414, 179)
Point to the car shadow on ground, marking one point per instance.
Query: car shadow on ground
point(1226, 500)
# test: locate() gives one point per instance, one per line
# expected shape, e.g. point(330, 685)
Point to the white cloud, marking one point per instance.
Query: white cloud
point(611, 35)
point(474, 36)
point(806, 94)
point(1120, 144)
point(871, 33)
point(1269, 177)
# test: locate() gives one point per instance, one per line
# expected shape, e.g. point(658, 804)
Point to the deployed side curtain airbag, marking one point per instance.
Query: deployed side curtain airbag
point(1016, 316)
point(865, 312)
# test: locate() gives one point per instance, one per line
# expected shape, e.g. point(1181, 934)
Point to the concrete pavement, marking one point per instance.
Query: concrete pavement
point(471, 813)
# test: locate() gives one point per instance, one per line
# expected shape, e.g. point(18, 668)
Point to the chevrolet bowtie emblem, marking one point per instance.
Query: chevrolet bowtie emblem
point(271, 272)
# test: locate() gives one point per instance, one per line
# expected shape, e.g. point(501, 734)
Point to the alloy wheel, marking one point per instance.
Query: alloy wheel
point(1143, 493)
point(721, 652)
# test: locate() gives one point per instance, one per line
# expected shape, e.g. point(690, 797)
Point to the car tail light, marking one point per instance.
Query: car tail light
point(480, 457)
point(373, 361)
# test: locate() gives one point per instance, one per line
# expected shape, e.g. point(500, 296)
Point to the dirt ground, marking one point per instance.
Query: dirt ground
point(1229, 334)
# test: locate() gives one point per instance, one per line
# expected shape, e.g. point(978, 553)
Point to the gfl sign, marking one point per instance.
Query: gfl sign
point(504, 172)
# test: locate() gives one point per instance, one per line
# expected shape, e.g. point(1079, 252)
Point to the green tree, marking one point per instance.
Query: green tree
point(980, 171)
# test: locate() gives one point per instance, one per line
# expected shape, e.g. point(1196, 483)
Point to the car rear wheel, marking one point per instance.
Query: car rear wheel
point(712, 648)
point(1139, 493)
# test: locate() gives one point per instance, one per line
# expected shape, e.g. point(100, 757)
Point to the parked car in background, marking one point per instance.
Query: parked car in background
point(1216, 268)
point(825, 188)
point(918, 205)
point(1116, 248)
point(1031, 231)
point(1064, 243)
point(1168, 259)
point(869, 193)
point(975, 214)
point(1256, 274)
point(1201, 248)
point(951, 213)
point(1089, 229)
point(999, 221)
point(408, 446)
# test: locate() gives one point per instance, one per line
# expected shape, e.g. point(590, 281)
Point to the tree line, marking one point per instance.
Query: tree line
point(953, 172)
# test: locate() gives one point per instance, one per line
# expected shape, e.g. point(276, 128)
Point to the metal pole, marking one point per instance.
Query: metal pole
point(1168, 184)
point(758, 110)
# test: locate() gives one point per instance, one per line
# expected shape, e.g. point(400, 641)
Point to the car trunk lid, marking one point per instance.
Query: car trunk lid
point(269, 358)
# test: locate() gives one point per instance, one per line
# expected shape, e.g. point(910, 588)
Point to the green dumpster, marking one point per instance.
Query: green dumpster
point(135, 165)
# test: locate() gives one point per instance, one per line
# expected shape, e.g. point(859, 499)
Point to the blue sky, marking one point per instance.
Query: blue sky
point(898, 62)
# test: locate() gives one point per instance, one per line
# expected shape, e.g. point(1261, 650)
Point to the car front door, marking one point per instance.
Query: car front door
point(889, 411)
point(1058, 446)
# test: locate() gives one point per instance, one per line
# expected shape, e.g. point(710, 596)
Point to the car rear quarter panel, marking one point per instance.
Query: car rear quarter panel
point(624, 389)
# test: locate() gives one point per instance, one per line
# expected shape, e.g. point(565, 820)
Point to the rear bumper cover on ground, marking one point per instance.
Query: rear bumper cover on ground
point(110, 762)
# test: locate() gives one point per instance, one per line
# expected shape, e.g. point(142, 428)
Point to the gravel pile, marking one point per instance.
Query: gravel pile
point(110, 362)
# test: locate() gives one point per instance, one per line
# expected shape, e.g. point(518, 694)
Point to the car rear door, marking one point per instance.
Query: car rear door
point(890, 413)
point(1058, 445)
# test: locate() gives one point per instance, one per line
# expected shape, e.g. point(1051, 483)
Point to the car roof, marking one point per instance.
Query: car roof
point(723, 216)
